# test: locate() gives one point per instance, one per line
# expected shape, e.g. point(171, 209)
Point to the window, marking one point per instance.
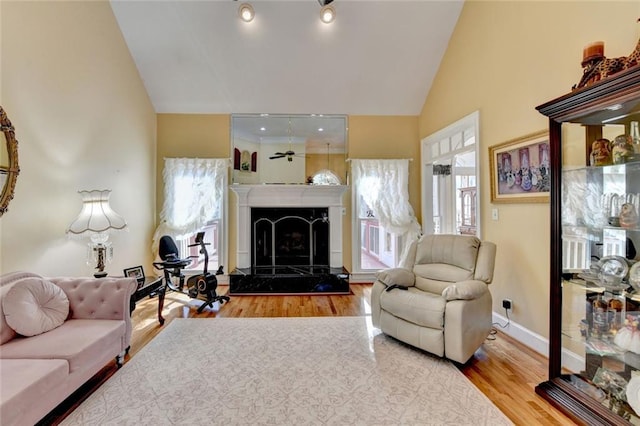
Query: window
point(371, 232)
point(195, 201)
point(450, 176)
point(383, 216)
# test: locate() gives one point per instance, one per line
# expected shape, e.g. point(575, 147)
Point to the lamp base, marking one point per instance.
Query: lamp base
point(100, 274)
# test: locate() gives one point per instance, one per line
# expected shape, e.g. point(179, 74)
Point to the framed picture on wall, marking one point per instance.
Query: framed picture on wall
point(520, 170)
point(136, 272)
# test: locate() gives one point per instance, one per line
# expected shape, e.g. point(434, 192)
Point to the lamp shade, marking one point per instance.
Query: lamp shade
point(96, 216)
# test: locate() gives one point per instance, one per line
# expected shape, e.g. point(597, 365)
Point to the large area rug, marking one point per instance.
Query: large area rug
point(284, 371)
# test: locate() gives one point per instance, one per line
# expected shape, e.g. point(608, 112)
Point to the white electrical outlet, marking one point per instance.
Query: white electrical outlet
point(494, 214)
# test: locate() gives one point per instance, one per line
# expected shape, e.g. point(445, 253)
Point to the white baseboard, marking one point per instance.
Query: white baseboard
point(538, 343)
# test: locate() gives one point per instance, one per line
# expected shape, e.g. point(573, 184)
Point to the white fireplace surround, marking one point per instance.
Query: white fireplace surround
point(248, 196)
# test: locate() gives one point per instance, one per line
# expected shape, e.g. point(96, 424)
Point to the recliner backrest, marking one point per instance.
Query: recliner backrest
point(444, 259)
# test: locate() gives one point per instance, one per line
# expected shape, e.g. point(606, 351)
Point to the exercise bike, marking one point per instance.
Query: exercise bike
point(202, 286)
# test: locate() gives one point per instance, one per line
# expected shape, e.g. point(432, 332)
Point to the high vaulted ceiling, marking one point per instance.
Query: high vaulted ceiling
point(376, 58)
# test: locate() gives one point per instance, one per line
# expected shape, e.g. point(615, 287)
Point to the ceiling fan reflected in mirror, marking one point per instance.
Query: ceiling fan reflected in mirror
point(289, 154)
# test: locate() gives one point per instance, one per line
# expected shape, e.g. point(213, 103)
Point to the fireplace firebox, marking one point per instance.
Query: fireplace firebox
point(290, 236)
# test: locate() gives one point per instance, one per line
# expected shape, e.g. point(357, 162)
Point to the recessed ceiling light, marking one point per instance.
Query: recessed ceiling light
point(246, 12)
point(327, 14)
point(262, 129)
point(321, 129)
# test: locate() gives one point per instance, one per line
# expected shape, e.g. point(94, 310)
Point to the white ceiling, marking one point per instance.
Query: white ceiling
point(376, 58)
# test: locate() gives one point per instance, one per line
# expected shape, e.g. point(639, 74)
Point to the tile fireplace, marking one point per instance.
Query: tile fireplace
point(289, 240)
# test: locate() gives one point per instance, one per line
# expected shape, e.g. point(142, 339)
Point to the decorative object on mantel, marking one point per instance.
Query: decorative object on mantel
point(597, 67)
point(325, 176)
point(97, 220)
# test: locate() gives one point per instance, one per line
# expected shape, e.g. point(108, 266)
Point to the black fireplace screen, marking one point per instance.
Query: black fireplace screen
point(290, 236)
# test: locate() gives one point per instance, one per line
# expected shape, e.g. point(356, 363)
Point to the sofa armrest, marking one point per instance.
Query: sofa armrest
point(465, 290)
point(100, 298)
point(399, 276)
point(97, 298)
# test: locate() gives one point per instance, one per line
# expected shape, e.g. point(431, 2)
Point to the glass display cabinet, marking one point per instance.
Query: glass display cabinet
point(594, 352)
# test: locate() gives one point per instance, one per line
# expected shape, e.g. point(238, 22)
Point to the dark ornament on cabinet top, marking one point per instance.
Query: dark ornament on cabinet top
point(597, 67)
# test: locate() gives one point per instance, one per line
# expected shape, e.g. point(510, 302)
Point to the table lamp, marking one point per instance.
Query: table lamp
point(96, 221)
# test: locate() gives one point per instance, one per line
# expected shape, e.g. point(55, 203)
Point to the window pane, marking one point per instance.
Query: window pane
point(371, 255)
point(467, 159)
point(435, 153)
point(444, 146)
point(456, 141)
point(364, 211)
point(376, 252)
point(469, 137)
point(183, 194)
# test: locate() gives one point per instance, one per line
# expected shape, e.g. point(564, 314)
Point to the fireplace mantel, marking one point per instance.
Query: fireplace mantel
point(266, 195)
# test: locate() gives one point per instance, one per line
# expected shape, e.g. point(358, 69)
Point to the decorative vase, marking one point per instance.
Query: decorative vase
point(621, 148)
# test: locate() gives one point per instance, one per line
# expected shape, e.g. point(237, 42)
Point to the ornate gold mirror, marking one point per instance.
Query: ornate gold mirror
point(9, 168)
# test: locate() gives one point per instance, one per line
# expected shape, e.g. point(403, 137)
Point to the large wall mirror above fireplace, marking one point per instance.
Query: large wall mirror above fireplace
point(288, 148)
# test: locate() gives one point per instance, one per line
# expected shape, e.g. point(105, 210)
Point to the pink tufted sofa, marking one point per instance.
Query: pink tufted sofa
point(39, 372)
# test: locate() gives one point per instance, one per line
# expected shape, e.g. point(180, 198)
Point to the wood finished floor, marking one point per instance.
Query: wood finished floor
point(503, 369)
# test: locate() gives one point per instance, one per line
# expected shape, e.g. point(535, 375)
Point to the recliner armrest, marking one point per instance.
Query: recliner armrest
point(398, 276)
point(465, 290)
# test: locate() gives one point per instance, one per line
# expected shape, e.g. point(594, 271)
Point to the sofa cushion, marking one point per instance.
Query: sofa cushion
point(415, 306)
point(34, 305)
point(26, 381)
point(78, 341)
point(6, 333)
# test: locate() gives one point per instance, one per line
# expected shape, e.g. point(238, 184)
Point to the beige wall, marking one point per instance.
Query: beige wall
point(83, 121)
point(190, 135)
point(504, 59)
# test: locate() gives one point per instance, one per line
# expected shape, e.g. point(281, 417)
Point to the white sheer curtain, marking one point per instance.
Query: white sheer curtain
point(384, 186)
point(193, 195)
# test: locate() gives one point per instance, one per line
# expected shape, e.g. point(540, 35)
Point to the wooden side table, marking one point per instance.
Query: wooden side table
point(151, 285)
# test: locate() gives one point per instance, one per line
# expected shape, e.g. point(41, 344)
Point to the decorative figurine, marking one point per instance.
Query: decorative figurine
point(628, 216)
point(600, 153)
point(597, 67)
point(621, 149)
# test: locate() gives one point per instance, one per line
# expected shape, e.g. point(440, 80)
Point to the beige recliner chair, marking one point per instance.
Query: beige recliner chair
point(442, 304)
